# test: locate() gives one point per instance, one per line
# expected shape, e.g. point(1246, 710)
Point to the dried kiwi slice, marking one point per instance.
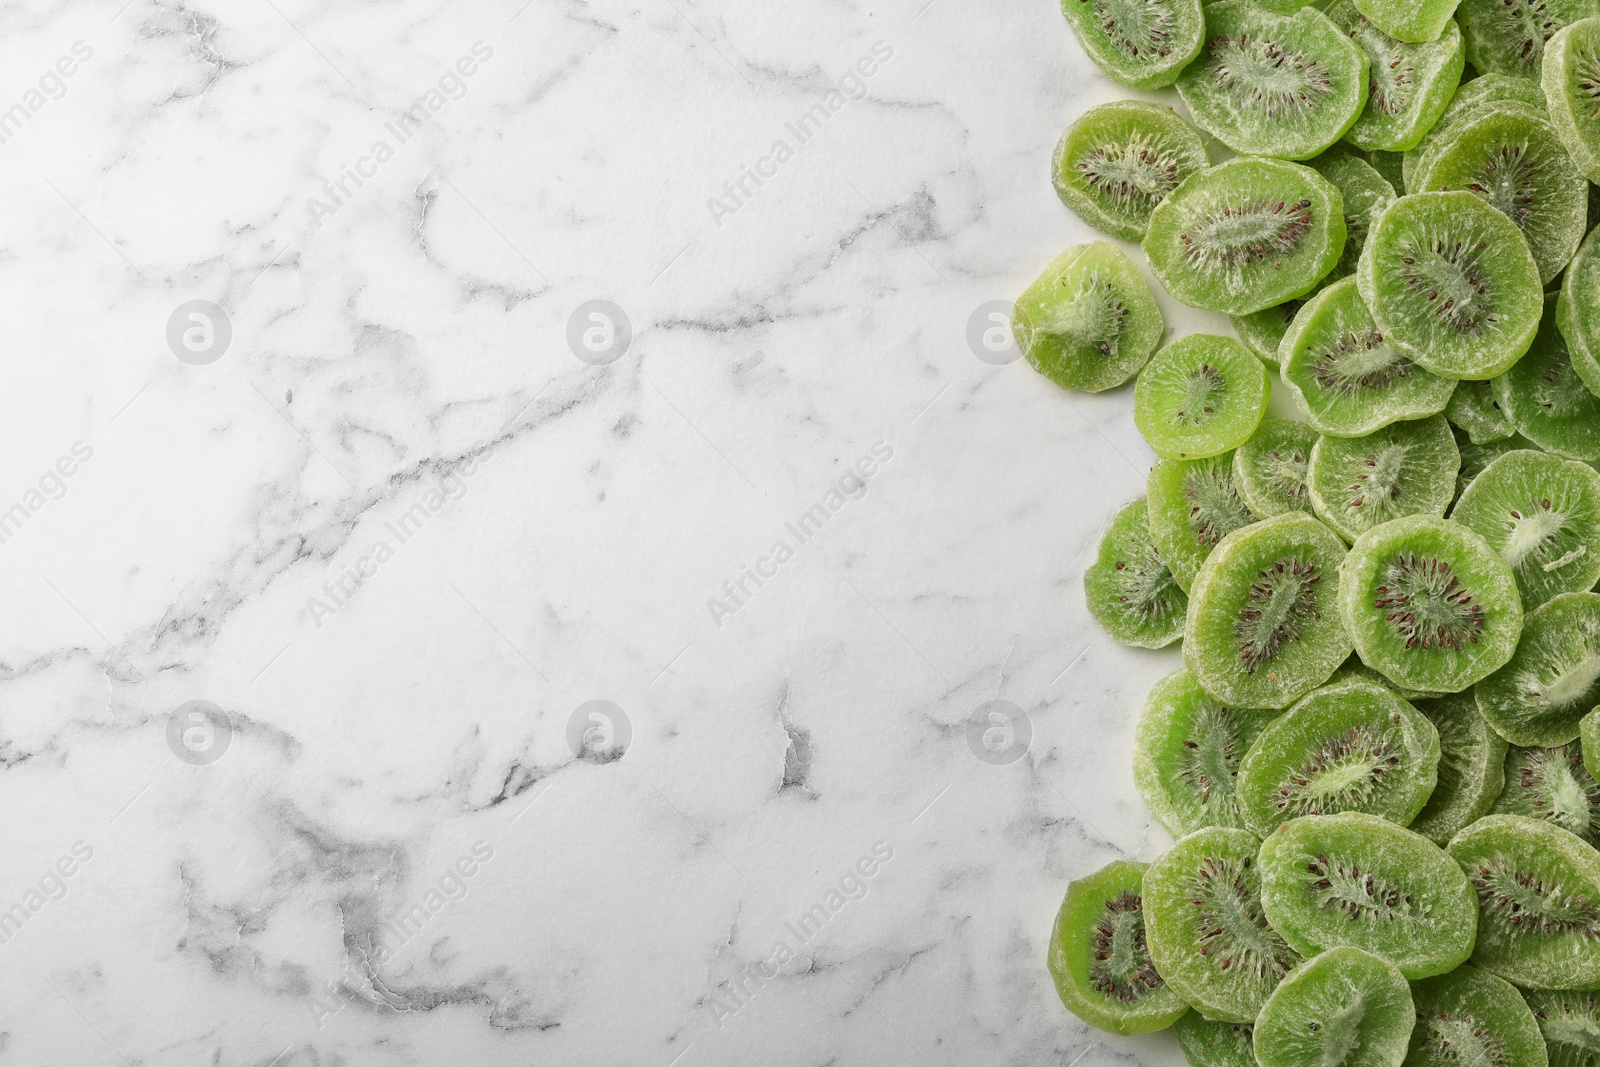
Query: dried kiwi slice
point(1538, 901)
point(1186, 755)
point(1261, 331)
point(1130, 590)
point(1545, 397)
point(1349, 746)
point(1271, 84)
point(1542, 514)
point(1142, 44)
point(1487, 91)
point(1570, 77)
point(1451, 280)
point(1366, 193)
point(1247, 234)
point(1473, 408)
point(1200, 396)
point(1553, 681)
point(1099, 957)
point(1405, 468)
point(1343, 1008)
point(1409, 85)
point(1262, 629)
point(1208, 934)
point(1578, 311)
point(1089, 321)
point(1119, 160)
point(1569, 1020)
point(1554, 785)
point(1512, 158)
point(1510, 38)
point(1429, 603)
point(1208, 1044)
point(1346, 379)
point(1360, 881)
point(1471, 767)
point(1194, 504)
point(1270, 468)
point(1470, 1017)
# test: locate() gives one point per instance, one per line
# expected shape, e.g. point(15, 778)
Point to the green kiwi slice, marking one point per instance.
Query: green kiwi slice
point(1247, 234)
point(1554, 785)
point(1142, 44)
point(1512, 158)
point(1538, 901)
point(1365, 192)
point(1451, 280)
point(1429, 603)
point(1545, 397)
point(1471, 768)
point(1208, 933)
point(1471, 1017)
point(1261, 331)
point(1405, 468)
point(1569, 1021)
point(1208, 1044)
point(1194, 504)
point(1270, 468)
point(1487, 91)
point(1089, 321)
point(1409, 85)
point(1553, 680)
point(1360, 881)
point(1349, 746)
point(1345, 377)
point(1200, 396)
point(1542, 514)
point(1130, 590)
point(1510, 38)
point(1262, 628)
point(1570, 77)
point(1186, 755)
point(1286, 85)
point(1474, 409)
point(1099, 957)
point(1343, 1008)
point(1578, 311)
point(1589, 739)
point(1119, 160)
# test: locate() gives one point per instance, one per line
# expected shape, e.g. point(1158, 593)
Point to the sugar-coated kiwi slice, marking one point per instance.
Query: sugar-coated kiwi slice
point(1194, 504)
point(1262, 629)
point(1089, 321)
point(1200, 396)
point(1186, 755)
point(1487, 91)
point(1568, 1019)
point(1471, 1017)
point(1270, 468)
point(1554, 785)
point(1345, 377)
point(1119, 160)
point(1474, 409)
point(1404, 468)
point(1545, 398)
point(1510, 38)
point(1512, 157)
point(1542, 514)
point(1451, 280)
point(1142, 44)
point(1589, 739)
point(1209, 935)
point(1360, 881)
point(1129, 588)
point(1429, 603)
point(1413, 21)
point(1271, 84)
point(1471, 767)
point(1578, 311)
point(1342, 1008)
point(1553, 680)
point(1349, 746)
point(1261, 331)
point(1538, 901)
point(1409, 85)
point(1099, 957)
point(1247, 234)
point(1570, 77)
point(1208, 1044)
point(1365, 192)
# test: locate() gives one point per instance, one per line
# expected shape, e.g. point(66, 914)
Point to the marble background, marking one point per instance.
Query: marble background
point(391, 733)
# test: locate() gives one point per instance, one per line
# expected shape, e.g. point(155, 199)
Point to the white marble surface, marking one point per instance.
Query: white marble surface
point(412, 342)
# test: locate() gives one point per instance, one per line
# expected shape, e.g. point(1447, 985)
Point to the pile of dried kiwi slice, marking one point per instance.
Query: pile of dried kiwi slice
point(1377, 748)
